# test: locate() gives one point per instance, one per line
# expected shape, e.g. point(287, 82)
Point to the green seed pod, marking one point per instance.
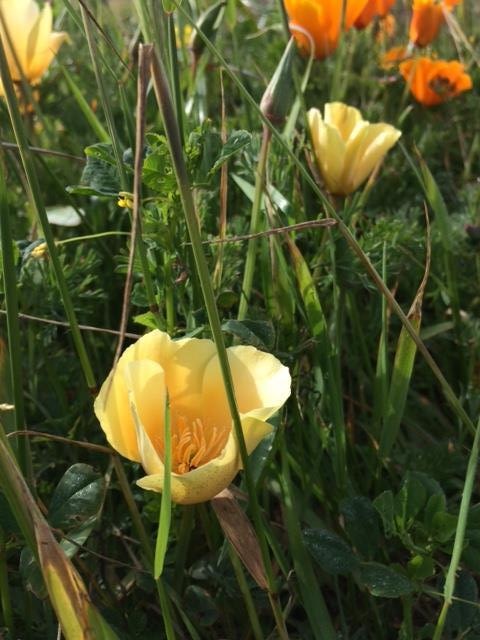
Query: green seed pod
point(209, 23)
point(278, 97)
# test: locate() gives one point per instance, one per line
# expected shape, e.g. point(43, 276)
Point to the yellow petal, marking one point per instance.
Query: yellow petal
point(254, 431)
point(147, 393)
point(365, 150)
point(20, 17)
point(261, 383)
point(44, 55)
point(329, 150)
point(184, 371)
point(342, 117)
point(112, 406)
point(202, 483)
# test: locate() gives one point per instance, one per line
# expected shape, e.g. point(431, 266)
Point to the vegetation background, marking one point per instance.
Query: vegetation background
point(360, 487)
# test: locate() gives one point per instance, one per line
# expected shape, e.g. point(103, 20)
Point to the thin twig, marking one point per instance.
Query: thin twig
point(41, 151)
point(50, 436)
point(82, 327)
point(300, 226)
point(142, 84)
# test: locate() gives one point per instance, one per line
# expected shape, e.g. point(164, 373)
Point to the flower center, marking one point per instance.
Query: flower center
point(442, 86)
point(193, 444)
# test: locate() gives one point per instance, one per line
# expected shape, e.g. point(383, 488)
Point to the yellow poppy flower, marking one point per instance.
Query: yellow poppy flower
point(205, 452)
point(31, 44)
point(348, 148)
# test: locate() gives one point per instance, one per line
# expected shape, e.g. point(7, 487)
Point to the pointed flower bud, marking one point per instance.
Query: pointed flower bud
point(209, 23)
point(279, 94)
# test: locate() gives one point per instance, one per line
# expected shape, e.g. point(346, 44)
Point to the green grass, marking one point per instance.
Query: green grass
point(363, 501)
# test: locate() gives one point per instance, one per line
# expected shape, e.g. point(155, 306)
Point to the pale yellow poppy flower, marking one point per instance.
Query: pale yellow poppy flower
point(348, 148)
point(205, 453)
point(30, 34)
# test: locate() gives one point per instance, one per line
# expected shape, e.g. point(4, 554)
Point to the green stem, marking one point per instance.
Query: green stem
point(146, 544)
point(14, 343)
point(37, 200)
point(173, 136)
point(254, 224)
point(459, 534)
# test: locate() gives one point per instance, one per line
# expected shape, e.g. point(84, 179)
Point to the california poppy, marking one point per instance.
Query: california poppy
point(317, 23)
point(347, 147)
point(31, 44)
point(427, 19)
point(435, 81)
point(186, 374)
point(373, 8)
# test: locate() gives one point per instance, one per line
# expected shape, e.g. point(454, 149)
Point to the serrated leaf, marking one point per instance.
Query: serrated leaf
point(235, 142)
point(383, 581)
point(330, 551)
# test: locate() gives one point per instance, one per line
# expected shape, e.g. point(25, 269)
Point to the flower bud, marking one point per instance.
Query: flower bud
point(208, 23)
point(279, 94)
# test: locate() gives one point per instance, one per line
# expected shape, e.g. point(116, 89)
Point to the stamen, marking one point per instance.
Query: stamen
point(193, 444)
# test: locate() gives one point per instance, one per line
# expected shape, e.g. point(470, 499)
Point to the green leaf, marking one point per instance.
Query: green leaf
point(383, 581)
point(236, 141)
point(444, 526)
point(31, 574)
point(409, 501)
point(361, 524)
point(385, 505)
point(77, 498)
point(330, 551)
point(99, 175)
point(463, 611)
point(258, 333)
point(435, 504)
point(421, 567)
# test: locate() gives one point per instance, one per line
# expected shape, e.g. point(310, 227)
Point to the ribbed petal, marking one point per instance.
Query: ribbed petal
point(20, 17)
point(261, 383)
point(367, 147)
point(112, 406)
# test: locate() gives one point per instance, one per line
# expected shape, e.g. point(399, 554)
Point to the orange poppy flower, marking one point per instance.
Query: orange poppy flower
point(373, 8)
point(318, 23)
point(427, 19)
point(435, 81)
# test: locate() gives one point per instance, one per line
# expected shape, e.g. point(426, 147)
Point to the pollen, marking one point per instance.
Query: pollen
point(194, 444)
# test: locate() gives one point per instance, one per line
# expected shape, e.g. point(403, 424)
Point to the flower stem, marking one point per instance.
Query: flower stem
point(459, 534)
point(146, 544)
point(254, 224)
point(164, 100)
point(14, 343)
